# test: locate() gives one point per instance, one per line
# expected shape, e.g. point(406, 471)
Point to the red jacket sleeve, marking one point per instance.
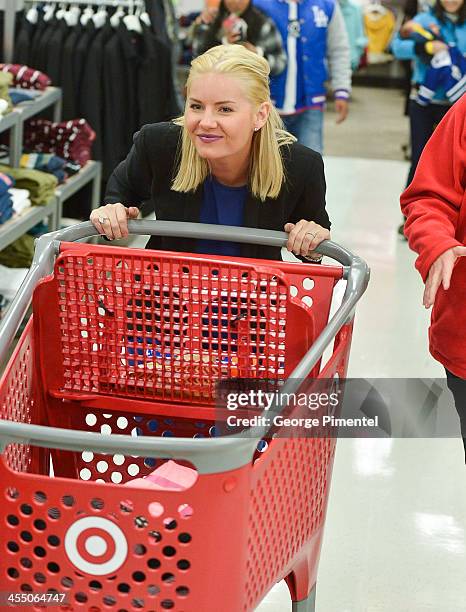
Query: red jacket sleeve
point(433, 200)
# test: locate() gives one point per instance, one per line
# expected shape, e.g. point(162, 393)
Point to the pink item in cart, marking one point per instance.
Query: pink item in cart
point(170, 476)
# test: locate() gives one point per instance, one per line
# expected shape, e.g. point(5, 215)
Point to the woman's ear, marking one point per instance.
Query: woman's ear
point(262, 114)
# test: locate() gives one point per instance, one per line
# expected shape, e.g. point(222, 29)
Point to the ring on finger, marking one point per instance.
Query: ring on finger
point(102, 220)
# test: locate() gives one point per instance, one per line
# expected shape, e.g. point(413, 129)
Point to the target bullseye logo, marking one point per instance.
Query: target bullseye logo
point(96, 546)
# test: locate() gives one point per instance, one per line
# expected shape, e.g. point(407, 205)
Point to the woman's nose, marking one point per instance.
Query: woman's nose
point(208, 120)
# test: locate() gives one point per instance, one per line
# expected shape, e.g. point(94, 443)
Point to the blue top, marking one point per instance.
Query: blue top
point(222, 205)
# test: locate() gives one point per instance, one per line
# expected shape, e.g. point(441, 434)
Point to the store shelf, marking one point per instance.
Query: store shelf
point(51, 96)
point(19, 225)
point(89, 172)
point(8, 121)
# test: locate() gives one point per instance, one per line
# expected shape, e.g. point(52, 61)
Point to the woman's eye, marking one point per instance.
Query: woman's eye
point(226, 109)
point(195, 106)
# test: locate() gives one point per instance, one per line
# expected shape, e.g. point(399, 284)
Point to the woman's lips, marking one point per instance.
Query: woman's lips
point(208, 139)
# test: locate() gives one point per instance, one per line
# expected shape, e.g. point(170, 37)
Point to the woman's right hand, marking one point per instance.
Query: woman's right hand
point(111, 220)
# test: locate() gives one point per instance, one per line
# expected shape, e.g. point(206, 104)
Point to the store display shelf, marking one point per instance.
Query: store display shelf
point(81, 178)
point(8, 121)
point(19, 225)
point(51, 96)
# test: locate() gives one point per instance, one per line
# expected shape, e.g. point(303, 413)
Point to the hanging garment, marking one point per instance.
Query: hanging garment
point(380, 28)
point(117, 139)
point(131, 42)
point(54, 51)
point(48, 32)
point(80, 55)
point(68, 78)
point(36, 40)
point(91, 94)
point(22, 51)
point(155, 93)
point(354, 21)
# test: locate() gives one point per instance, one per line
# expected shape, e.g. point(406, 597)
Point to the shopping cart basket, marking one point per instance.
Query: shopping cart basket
point(115, 373)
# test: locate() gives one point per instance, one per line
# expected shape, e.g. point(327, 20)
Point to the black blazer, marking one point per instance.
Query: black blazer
point(148, 171)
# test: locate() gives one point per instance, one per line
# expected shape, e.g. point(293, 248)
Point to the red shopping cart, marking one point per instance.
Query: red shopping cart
point(114, 374)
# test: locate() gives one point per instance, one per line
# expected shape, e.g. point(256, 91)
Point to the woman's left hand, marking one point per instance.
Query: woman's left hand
point(305, 236)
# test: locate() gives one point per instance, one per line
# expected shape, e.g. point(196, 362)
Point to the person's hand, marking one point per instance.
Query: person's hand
point(232, 36)
point(438, 46)
point(304, 237)
point(112, 220)
point(342, 109)
point(207, 16)
point(407, 29)
point(440, 273)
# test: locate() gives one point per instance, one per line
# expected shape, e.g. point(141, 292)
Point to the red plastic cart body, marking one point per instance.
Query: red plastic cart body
point(133, 342)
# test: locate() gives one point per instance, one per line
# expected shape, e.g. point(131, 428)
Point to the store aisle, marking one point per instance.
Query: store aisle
point(395, 536)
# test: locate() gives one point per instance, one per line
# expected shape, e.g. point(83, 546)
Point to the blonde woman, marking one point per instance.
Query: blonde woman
point(227, 160)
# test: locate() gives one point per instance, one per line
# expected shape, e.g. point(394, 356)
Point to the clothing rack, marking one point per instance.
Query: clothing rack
point(111, 3)
point(11, 7)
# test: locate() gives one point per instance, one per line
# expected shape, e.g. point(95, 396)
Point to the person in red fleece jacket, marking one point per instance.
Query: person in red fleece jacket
point(435, 207)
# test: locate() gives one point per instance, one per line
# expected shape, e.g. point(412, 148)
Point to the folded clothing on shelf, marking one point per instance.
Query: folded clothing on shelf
point(71, 140)
point(41, 186)
point(45, 162)
point(20, 198)
point(5, 83)
point(25, 77)
point(6, 182)
point(6, 200)
point(6, 207)
point(19, 254)
point(22, 95)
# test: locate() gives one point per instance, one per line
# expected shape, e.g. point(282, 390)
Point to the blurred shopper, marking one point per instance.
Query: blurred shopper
point(315, 36)
point(237, 21)
point(436, 41)
point(435, 208)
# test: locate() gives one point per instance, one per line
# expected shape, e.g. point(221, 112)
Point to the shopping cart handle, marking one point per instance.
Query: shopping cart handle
point(208, 455)
point(355, 271)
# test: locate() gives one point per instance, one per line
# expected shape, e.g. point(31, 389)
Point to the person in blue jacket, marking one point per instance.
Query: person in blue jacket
point(432, 39)
point(315, 37)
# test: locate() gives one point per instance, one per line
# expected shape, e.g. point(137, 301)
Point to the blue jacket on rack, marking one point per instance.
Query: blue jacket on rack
point(305, 27)
point(452, 33)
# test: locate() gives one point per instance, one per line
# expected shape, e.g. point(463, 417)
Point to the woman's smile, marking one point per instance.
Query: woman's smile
point(209, 138)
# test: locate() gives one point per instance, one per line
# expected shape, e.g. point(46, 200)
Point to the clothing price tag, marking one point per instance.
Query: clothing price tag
point(33, 599)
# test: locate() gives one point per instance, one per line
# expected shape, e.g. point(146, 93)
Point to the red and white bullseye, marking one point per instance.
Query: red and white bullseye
point(96, 546)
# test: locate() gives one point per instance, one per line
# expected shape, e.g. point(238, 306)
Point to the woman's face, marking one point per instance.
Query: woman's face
point(236, 6)
point(220, 119)
point(451, 6)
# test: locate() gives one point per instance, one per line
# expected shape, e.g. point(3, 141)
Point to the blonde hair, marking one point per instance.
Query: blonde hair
point(266, 170)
